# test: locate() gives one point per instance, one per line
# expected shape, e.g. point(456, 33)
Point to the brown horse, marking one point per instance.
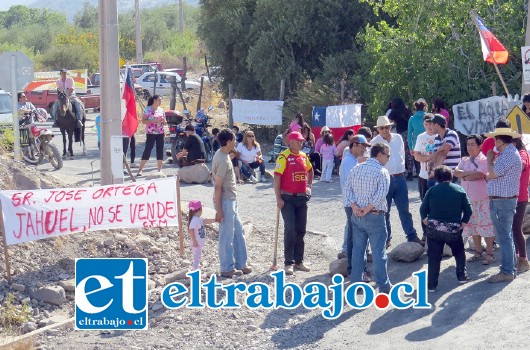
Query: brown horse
point(67, 121)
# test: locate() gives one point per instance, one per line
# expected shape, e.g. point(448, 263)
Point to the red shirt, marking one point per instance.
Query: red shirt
point(525, 177)
point(293, 169)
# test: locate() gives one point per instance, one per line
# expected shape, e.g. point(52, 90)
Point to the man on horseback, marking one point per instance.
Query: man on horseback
point(66, 84)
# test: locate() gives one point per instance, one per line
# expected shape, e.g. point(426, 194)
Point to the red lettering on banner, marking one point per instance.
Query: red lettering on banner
point(64, 195)
point(152, 212)
point(17, 236)
point(17, 201)
point(47, 221)
point(115, 212)
point(43, 222)
point(113, 191)
point(95, 216)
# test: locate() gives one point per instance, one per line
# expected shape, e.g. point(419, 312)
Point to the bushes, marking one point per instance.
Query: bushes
point(7, 140)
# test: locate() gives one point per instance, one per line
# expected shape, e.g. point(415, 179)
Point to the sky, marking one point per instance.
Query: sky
point(6, 4)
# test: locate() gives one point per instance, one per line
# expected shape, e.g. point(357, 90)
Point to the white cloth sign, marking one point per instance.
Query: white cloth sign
point(525, 58)
point(479, 117)
point(38, 214)
point(257, 112)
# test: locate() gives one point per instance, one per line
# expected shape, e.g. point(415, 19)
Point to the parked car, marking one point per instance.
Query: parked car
point(144, 67)
point(6, 108)
point(163, 83)
point(179, 71)
point(46, 98)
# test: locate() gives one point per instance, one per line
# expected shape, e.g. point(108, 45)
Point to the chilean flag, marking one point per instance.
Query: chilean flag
point(497, 53)
point(337, 118)
point(130, 122)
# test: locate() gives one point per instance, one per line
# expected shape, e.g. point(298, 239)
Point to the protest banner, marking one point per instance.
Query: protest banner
point(257, 112)
point(479, 117)
point(47, 80)
point(38, 214)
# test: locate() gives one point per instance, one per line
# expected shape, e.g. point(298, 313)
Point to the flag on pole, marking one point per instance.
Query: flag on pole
point(130, 121)
point(337, 118)
point(492, 49)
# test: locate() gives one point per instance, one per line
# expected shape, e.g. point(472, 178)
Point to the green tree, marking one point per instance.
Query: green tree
point(88, 17)
point(433, 49)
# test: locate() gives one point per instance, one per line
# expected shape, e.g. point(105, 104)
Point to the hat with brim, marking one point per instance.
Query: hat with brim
point(383, 121)
point(503, 132)
point(295, 135)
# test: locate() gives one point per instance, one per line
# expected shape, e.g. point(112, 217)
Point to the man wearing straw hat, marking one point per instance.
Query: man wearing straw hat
point(398, 190)
point(504, 173)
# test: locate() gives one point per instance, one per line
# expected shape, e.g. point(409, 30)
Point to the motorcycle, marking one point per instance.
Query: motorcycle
point(177, 136)
point(35, 142)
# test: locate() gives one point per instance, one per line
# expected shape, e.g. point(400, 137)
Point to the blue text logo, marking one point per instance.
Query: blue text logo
point(111, 294)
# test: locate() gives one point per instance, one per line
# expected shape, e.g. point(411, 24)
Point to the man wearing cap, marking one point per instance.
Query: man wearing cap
point(423, 150)
point(446, 147)
point(356, 150)
point(365, 193)
point(66, 84)
point(503, 177)
point(398, 190)
point(293, 177)
point(232, 245)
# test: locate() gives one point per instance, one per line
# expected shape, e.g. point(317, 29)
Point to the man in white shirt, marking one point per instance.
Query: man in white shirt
point(67, 85)
point(398, 190)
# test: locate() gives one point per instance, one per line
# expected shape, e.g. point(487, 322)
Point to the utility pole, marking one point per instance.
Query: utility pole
point(110, 93)
point(526, 87)
point(139, 48)
point(181, 18)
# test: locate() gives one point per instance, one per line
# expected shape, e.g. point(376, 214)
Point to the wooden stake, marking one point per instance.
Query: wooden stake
point(179, 217)
point(4, 238)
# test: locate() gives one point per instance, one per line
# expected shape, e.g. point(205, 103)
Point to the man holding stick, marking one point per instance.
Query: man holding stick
point(232, 245)
point(292, 185)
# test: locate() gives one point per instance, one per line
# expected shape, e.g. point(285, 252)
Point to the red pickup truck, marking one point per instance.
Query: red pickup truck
point(46, 99)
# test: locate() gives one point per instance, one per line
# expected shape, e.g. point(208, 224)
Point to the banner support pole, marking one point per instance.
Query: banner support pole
point(4, 238)
point(179, 217)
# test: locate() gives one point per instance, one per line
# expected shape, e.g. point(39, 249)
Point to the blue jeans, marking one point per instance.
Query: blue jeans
point(246, 168)
point(370, 227)
point(232, 246)
point(399, 192)
point(501, 214)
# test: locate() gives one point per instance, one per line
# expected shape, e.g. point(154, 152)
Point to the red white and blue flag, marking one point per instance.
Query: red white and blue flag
point(337, 118)
point(130, 121)
point(492, 49)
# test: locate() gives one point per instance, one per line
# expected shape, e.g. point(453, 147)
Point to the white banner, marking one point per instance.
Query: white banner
point(257, 112)
point(343, 116)
point(479, 117)
point(38, 214)
point(525, 58)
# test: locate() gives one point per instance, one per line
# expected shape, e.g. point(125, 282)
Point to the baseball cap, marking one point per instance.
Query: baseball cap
point(295, 135)
point(439, 119)
point(294, 126)
point(195, 205)
point(359, 139)
point(62, 70)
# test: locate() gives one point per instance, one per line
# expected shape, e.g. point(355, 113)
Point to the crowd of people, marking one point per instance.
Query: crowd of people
point(482, 196)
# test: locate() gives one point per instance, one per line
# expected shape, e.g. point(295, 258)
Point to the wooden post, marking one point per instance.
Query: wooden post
point(525, 88)
point(494, 88)
point(128, 167)
point(155, 81)
point(200, 94)
point(183, 80)
point(179, 217)
point(4, 238)
point(173, 98)
point(230, 97)
point(208, 69)
point(279, 129)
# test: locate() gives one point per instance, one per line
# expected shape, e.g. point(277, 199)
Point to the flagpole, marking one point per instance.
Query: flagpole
point(474, 14)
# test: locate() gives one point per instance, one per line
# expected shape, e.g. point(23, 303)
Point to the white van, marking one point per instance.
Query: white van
point(6, 108)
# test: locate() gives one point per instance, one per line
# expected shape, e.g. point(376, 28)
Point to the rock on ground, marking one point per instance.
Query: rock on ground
point(407, 252)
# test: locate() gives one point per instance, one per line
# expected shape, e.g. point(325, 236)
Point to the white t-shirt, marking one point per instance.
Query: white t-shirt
point(246, 155)
point(424, 145)
point(396, 163)
point(197, 225)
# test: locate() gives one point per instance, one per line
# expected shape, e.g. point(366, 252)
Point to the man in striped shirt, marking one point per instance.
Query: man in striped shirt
point(446, 147)
point(365, 192)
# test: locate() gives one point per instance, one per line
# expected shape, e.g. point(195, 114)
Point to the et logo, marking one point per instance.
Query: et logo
point(111, 294)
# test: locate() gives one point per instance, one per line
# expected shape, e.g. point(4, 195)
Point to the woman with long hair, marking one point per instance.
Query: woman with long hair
point(249, 152)
point(438, 107)
point(522, 201)
point(154, 120)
